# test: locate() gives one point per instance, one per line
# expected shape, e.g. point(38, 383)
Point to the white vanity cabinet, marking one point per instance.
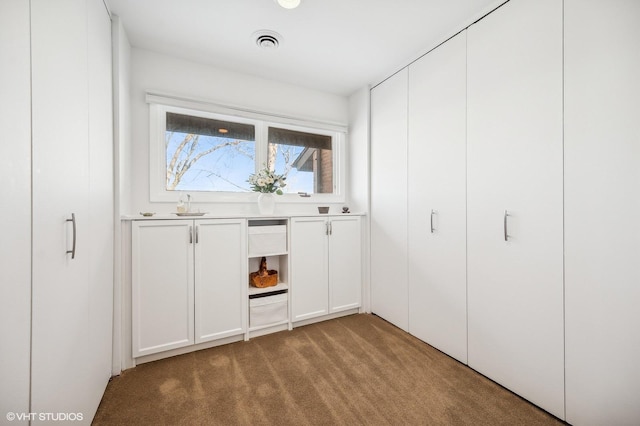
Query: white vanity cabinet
point(188, 280)
point(325, 265)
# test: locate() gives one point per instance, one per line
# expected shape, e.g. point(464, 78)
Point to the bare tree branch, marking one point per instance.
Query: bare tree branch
point(174, 159)
point(186, 155)
point(271, 156)
point(219, 176)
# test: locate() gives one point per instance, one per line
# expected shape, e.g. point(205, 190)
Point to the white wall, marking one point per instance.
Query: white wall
point(153, 71)
point(122, 107)
point(358, 175)
point(358, 151)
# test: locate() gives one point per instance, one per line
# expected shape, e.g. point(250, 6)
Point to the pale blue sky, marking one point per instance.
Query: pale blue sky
point(228, 169)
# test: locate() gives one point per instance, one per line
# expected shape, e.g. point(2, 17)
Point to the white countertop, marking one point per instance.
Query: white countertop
point(174, 216)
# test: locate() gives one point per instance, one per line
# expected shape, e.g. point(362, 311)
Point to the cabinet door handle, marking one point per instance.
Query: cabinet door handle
point(330, 228)
point(326, 228)
point(197, 232)
point(506, 235)
point(190, 234)
point(73, 247)
point(432, 213)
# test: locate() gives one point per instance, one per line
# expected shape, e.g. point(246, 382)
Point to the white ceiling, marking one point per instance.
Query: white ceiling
point(336, 46)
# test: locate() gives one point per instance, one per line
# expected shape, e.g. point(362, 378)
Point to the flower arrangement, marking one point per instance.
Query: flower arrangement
point(266, 181)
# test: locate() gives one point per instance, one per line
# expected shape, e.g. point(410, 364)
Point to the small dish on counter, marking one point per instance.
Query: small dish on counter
point(147, 214)
point(190, 213)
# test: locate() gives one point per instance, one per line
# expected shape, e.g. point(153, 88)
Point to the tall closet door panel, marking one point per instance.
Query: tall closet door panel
point(100, 196)
point(602, 201)
point(60, 330)
point(437, 198)
point(389, 280)
point(15, 208)
point(514, 142)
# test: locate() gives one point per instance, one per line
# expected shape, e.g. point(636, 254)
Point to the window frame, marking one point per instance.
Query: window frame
point(158, 108)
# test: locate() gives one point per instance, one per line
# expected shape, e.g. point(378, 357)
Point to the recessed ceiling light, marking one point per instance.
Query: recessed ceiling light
point(223, 131)
point(289, 4)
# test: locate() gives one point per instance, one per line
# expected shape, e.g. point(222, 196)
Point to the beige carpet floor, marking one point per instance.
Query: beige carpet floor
point(356, 370)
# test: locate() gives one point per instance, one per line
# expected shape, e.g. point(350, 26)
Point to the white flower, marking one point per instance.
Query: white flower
point(266, 180)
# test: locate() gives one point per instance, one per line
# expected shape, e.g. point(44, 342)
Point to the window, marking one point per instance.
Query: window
point(305, 158)
point(213, 154)
point(204, 154)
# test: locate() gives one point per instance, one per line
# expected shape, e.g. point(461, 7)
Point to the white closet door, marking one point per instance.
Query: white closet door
point(602, 201)
point(60, 332)
point(437, 198)
point(100, 198)
point(15, 207)
point(515, 287)
point(220, 278)
point(389, 280)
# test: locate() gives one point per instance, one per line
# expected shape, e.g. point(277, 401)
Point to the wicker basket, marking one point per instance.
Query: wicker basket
point(263, 277)
point(264, 281)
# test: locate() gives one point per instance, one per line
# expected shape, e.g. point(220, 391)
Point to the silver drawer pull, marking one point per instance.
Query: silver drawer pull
point(432, 213)
point(73, 247)
point(506, 235)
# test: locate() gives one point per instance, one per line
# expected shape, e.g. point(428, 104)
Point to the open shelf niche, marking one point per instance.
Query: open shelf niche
point(269, 306)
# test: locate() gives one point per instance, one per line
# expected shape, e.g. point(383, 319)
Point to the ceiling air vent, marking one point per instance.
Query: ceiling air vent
point(266, 39)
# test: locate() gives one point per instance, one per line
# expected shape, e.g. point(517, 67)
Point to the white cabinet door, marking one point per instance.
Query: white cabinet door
point(437, 198)
point(162, 285)
point(514, 142)
point(309, 272)
point(15, 208)
point(389, 281)
point(220, 278)
point(602, 201)
point(345, 263)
